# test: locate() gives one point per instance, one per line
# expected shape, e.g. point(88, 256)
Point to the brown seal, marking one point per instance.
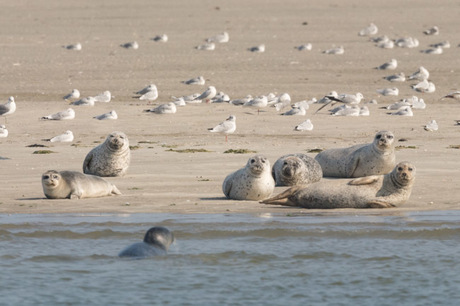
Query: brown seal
point(73, 184)
point(377, 191)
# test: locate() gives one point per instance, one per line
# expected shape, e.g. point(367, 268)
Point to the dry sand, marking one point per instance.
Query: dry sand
point(37, 71)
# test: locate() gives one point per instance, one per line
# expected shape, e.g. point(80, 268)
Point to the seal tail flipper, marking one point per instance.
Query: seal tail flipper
point(364, 180)
point(379, 204)
point(115, 190)
point(283, 198)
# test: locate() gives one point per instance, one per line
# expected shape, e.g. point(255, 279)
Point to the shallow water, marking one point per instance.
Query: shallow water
point(409, 258)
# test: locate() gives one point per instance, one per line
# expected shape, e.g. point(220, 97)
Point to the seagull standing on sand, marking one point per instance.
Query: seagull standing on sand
point(149, 95)
point(343, 98)
point(226, 127)
point(208, 94)
point(8, 108)
point(258, 102)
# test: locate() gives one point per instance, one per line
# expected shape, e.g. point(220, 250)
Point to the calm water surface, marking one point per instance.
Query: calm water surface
point(409, 258)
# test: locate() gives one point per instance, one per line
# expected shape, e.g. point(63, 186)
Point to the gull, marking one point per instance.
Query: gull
point(151, 87)
point(407, 42)
point(161, 38)
point(206, 47)
point(282, 101)
point(112, 115)
point(336, 50)
point(258, 102)
point(67, 114)
point(66, 137)
point(258, 49)
point(398, 77)
point(380, 39)
point(150, 95)
point(431, 126)
point(346, 110)
point(389, 44)
point(226, 127)
point(219, 38)
point(343, 98)
point(435, 50)
point(195, 81)
point(188, 99)
point(179, 102)
point(432, 31)
point(296, 111)
point(88, 101)
point(444, 44)
point(76, 47)
point(220, 97)
point(404, 111)
point(325, 99)
point(421, 74)
point(8, 108)
point(208, 94)
point(3, 131)
point(75, 94)
point(241, 101)
point(303, 47)
point(453, 95)
point(398, 105)
point(371, 29)
point(106, 96)
point(304, 126)
point(168, 108)
point(130, 45)
point(424, 86)
point(391, 65)
point(364, 111)
point(304, 103)
point(388, 91)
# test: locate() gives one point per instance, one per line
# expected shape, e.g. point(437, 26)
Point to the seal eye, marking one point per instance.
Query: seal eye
point(55, 176)
point(390, 136)
point(400, 169)
point(410, 169)
point(263, 160)
point(378, 136)
point(45, 177)
point(253, 161)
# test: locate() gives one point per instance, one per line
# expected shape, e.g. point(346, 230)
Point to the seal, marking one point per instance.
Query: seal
point(110, 158)
point(156, 242)
point(296, 169)
point(375, 158)
point(377, 191)
point(253, 182)
point(73, 184)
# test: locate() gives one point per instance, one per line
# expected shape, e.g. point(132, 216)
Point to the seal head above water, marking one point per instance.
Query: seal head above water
point(156, 242)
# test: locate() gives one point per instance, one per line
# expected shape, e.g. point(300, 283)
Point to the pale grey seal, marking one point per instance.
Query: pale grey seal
point(253, 182)
point(296, 169)
point(110, 158)
point(377, 191)
point(73, 184)
point(360, 160)
point(156, 242)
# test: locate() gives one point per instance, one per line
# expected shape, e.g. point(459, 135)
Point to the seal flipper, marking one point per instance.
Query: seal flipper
point(283, 198)
point(379, 204)
point(115, 190)
point(367, 180)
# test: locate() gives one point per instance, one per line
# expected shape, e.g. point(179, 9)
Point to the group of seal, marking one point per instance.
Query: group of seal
point(111, 158)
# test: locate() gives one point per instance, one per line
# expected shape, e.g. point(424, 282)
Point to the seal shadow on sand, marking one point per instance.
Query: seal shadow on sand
point(214, 199)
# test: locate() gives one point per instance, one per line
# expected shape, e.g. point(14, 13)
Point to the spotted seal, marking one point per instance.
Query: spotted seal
point(377, 191)
point(73, 184)
point(110, 158)
point(375, 158)
point(156, 242)
point(253, 182)
point(296, 169)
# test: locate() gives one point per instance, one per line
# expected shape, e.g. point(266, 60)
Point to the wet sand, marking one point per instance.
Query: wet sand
point(38, 72)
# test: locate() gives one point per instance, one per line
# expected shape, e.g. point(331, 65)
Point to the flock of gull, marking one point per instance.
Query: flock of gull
point(348, 104)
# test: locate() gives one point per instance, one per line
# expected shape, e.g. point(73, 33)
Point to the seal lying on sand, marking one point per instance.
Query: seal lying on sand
point(296, 169)
point(375, 158)
point(156, 242)
point(110, 158)
point(73, 184)
point(377, 191)
point(253, 182)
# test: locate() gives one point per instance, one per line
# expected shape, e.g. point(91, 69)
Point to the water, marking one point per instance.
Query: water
point(408, 258)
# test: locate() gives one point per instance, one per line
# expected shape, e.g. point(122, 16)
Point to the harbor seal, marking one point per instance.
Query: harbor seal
point(73, 184)
point(375, 158)
point(253, 182)
point(156, 242)
point(377, 191)
point(110, 158)
point(296, 169)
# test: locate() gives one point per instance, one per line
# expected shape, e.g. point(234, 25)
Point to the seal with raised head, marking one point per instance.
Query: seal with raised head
point(253, 182)
point(73, 184)
point(376, 191)
point(296, 169)
point(110, 158)
point(375, 158)
point(156, 242)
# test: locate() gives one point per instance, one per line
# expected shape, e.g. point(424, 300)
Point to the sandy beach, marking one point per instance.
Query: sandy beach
point(37, 71)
